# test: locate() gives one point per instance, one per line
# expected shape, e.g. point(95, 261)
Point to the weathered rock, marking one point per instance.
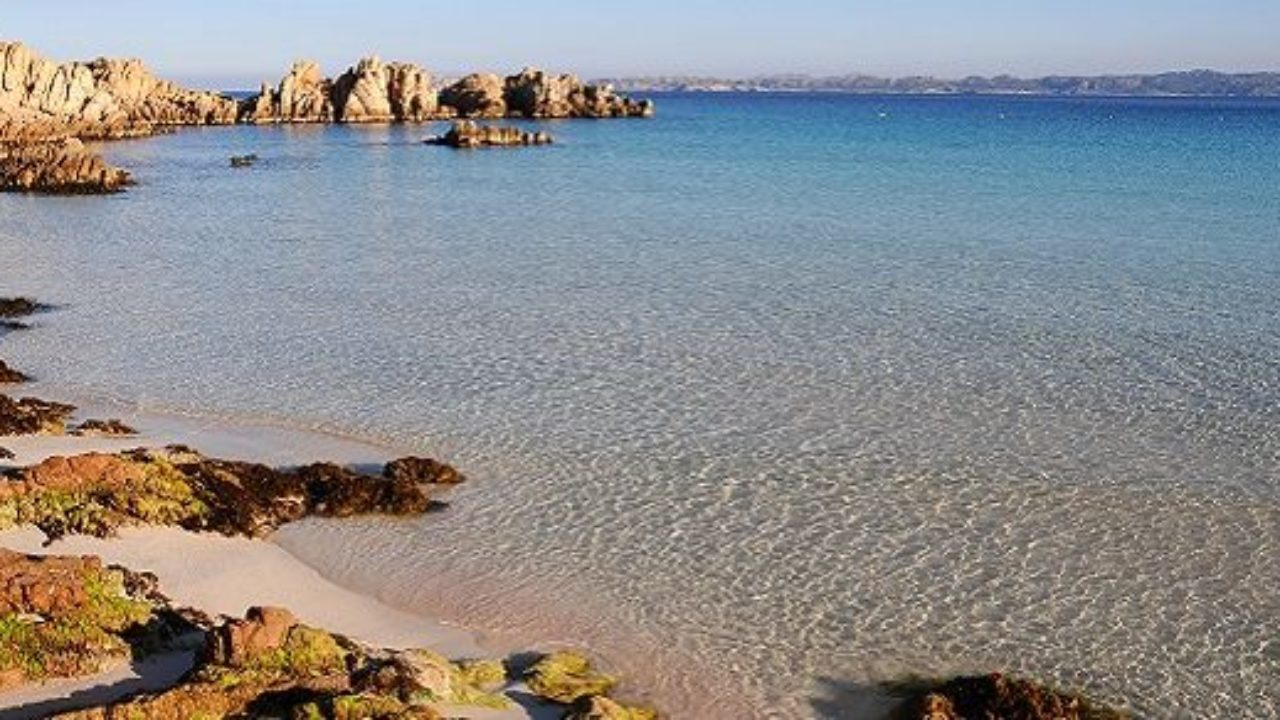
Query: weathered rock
point(999, 696)
point(467, 134)
point(237, 642)
point(103, 428)
point(536, 94)
point(412, 95)
point(59, 167)
point(304, 95)
point(33, 416)
point(102, 98)
point(10, 376)
point(480, 95)
point(243, 161)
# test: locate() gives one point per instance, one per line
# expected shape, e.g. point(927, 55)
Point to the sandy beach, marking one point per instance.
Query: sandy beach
point(221, 575)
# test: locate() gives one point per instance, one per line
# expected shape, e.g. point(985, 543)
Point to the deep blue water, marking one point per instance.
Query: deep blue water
point(837, 386)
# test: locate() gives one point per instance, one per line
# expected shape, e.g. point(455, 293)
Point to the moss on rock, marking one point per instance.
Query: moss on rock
point(566, 676)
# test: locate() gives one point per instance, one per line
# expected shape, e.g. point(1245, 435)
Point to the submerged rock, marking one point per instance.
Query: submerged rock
point(999, 696)
point(243, 161)
point(468, 134)
point(6, 454)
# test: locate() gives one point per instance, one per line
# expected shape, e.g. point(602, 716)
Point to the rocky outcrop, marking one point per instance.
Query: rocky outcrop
point(98, 493)
point(1000, 696)
point(19, 307)
point(370, 92)
point(102, 98)
point(480, 95)
point(537, 94)
point(467, 134)
point(59, 167)
point(304, 95)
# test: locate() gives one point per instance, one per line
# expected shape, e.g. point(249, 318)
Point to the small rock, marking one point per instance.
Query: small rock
point(10, 376)
point(466, 134)
point(243, 161)
point(103, 428)
point(421, 471)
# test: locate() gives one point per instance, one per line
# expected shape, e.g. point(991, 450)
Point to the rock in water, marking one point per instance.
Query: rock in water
point(103, 428)
point(536, 94)
point(304, 95)
point(10, 376)
point(60, 167)
point(999, 696)
point(32, 416)
point(467, 134)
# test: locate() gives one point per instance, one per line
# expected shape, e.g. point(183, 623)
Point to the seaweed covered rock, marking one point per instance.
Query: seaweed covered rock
point(467, 134)
point(103, 428)
point(97, 493)
point(567, 676)
point(270, 665)
point(1000, 696)
point(33, 416)
point(423, 471)
point(9, 376)
point(68, 616)
point(18, 307)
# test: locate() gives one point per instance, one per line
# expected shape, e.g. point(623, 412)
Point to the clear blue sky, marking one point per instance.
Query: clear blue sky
point(236, 43)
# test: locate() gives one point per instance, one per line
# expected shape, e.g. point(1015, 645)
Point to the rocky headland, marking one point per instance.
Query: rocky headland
point(49, 109)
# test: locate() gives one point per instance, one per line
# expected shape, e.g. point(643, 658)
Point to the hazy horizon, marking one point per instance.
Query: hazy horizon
point(239, 44)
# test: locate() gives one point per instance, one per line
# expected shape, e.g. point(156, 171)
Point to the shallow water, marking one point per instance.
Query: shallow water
point(766, 399)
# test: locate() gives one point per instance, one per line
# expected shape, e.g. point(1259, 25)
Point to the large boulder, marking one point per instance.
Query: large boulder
point(480, 95)
point(360, 94)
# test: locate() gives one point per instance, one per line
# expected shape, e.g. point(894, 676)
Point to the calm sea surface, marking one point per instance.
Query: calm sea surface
point(764, 400)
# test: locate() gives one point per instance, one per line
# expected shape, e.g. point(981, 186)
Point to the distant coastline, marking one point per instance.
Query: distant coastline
point(1193, 83)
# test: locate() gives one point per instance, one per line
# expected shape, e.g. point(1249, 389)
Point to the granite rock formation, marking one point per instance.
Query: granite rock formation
point(479, 95)
point(466, 134)
point(537, 94)
point(59, 167)
point(304, 95)
point(101, 98)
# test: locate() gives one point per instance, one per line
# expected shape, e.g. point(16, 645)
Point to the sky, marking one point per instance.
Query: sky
point(230, 44)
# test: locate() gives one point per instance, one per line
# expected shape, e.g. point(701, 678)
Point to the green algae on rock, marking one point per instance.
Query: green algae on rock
point(69, 616)
point(98, 493)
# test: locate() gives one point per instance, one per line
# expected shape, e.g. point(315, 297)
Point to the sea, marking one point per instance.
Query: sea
point(766, 401)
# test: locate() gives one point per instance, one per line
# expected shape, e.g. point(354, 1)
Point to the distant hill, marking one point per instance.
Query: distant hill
point(1194, 83)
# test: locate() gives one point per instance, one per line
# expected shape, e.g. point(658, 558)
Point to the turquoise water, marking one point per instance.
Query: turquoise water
point(766, 399)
